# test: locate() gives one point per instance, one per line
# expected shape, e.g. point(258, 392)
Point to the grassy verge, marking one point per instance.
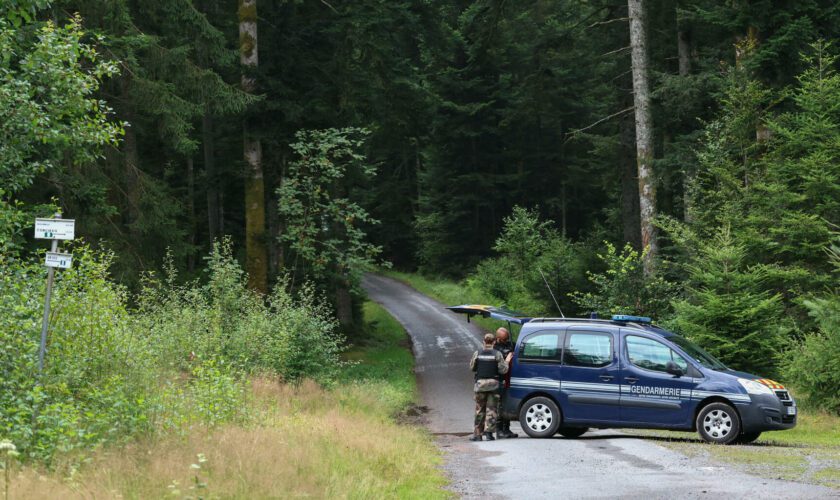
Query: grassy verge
point(301, 441)
point(808, 453)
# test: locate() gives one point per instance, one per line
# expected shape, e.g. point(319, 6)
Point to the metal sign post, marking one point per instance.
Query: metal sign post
point(54, 229)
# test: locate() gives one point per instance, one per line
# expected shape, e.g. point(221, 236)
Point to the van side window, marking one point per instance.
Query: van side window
point(588, 349)
point(541, 347)
point(652, 355)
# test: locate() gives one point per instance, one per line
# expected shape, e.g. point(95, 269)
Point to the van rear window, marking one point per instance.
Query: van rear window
point(593, 350)
point(541, 347)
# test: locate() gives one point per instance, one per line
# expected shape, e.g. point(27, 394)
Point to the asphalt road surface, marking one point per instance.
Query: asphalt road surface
point(601, 464)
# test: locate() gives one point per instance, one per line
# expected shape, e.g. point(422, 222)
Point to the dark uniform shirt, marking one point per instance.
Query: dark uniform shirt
point(505, 348)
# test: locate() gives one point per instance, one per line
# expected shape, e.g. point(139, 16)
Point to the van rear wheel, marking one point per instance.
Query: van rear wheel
point(540, 417)
point(718, 423)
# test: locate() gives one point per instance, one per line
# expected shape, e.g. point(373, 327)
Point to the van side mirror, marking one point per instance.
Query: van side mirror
point(673, 369)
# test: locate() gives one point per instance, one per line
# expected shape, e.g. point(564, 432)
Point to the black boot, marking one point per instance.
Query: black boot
point(504, 432)
point(475, 437)
point(510, 434)
point(489, 436)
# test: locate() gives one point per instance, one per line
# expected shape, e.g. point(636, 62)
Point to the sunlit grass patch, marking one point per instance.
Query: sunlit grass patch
point(306, 443)
point(829, 476)
point(813, 428)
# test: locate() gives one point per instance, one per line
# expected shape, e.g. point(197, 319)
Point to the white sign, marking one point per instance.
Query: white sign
point(55, 229)
point(59, 260)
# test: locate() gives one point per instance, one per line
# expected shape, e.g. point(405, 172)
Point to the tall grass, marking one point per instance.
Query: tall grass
point(300, 440)
point(306, 442)
point(180, 358)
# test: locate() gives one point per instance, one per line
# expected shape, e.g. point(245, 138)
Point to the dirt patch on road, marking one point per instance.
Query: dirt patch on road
point(464, 463)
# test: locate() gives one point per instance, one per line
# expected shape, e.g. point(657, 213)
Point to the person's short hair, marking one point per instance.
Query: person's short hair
point(489, 338)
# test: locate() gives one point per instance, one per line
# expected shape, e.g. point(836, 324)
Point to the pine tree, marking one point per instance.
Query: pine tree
point(728, 309)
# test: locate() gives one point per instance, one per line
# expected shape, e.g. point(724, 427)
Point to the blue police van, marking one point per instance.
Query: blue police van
point(569, 375)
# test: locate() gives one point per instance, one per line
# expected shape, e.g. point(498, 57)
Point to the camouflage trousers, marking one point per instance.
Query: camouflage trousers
point(486, 411)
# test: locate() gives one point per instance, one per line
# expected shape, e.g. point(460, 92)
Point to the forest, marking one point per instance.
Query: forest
point(240, 165)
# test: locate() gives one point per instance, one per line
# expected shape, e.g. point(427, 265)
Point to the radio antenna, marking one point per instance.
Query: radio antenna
point(552, 293)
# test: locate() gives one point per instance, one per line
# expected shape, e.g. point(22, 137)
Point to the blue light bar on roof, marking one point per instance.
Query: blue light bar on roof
point(624, 318)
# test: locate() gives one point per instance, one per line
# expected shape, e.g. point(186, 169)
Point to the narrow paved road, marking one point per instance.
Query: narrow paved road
point(443, 343)
point(602, 464)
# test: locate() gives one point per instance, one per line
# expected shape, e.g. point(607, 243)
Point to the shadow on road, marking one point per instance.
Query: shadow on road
point(667, 439)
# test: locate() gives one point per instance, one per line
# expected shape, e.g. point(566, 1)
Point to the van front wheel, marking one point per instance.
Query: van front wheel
point(540, 417)
point(718, 423)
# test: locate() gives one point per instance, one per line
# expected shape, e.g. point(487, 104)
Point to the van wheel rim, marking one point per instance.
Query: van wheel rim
point(717, 424)
point(539, 417)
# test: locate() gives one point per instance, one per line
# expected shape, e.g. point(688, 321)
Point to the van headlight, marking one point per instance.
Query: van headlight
point(754, 387)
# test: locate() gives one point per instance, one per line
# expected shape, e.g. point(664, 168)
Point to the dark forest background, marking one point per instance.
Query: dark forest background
point(488, 141)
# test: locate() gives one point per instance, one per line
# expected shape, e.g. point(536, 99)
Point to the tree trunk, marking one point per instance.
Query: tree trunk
point(256, 255)
point(684, 51)
point(629, 183)
point(644, 131)
point(131, 157)
point(191, 211)
point(212, 185)
point(344, 306)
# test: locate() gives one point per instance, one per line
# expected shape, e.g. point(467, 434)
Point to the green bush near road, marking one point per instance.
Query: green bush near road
point(180, 358)
point(300, 440)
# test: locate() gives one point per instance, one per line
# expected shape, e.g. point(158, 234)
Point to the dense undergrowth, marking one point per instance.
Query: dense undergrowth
point(178, 358)
point(297, 440)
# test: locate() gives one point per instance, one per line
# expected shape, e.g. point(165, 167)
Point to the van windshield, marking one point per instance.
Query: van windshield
point(698, 354)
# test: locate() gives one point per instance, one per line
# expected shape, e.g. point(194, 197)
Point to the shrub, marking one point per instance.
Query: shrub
point(622, 287)
point(178, 359)
point(528, 247)
point(97, 371)
point(291, 336)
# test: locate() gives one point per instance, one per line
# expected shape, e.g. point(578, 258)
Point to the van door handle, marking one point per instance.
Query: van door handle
point(606, 378)
point(632, 380)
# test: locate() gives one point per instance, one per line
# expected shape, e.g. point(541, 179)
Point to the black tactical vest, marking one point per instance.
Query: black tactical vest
point(486, 365)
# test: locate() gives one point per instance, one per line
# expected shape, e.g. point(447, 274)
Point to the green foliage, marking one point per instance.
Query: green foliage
point(292, 336)
point(813, 366)
point(47, 98)
point(179, 359)
point(97, 370)
point(727, 308)
point(322, 225)
point(49, 79)
point(528, 246)
point(623, 289)
point(777, 195)
point(19, 12)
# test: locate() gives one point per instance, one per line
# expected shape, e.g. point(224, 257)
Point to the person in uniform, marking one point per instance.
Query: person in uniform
point(504, 346)
point(488, 365)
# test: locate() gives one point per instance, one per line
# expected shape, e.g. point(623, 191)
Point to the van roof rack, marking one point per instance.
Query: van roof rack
point(638, 325)
point(581, 320)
